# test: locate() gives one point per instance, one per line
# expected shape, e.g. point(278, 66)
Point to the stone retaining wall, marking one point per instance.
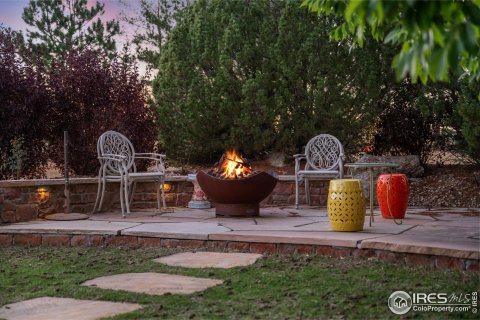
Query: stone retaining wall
point(26, 200)
point(92, 240)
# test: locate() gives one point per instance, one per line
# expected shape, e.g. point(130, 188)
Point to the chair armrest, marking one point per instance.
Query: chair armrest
point(298, 158)
point(157, 157)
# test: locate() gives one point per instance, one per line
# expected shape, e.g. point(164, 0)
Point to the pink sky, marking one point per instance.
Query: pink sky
point(11, 11)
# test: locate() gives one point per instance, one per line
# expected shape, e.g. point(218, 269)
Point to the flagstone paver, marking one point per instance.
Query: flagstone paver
point(306, 211)
point(153, 215)
point(340, 239)
point(146, 218)
point(445, 232)
point(186, 230)
point(191, 213)
point(209, 259)
point(300, 224)
point(72, 227)
point(279, 224)
point(153, 283)
point(441, 243)
point(382, 226)
point(49, 308)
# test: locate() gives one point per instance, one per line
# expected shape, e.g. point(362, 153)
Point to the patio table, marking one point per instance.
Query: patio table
point(370, 166)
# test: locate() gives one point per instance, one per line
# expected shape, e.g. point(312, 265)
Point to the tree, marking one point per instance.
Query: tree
point(23, 111)
point(90, 95)
point(435, 37)
point(63, 25)
point(262, 76)
point(152, 26)
point(470, 120)
point(416, 121)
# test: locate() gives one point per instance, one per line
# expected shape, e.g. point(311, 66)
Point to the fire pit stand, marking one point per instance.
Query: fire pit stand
point(237, 197)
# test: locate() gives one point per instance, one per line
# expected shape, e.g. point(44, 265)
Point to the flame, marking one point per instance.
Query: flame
point(233, 166)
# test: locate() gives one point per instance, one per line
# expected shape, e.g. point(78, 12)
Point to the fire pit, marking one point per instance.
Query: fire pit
point(234, 187)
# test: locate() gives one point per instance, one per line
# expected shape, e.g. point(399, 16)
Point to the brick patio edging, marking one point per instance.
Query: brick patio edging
point(93, 240)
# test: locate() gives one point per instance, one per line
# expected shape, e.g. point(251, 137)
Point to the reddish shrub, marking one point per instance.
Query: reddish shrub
point(84, 93)
point(90, 95)
point(23, 111)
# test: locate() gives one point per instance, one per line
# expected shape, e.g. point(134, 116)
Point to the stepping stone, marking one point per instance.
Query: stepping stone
point(48, 308)
point(153, 283)
point(209, 259)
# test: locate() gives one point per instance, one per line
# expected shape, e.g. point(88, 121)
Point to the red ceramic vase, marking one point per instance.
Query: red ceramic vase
point(397, 195)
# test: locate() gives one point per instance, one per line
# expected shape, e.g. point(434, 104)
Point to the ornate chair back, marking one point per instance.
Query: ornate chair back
point(323, 152)
point(114, 143)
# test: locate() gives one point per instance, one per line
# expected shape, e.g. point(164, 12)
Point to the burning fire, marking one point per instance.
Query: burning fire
point(232, 166)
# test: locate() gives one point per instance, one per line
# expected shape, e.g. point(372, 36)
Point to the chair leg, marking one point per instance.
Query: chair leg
point(296, 192)
point(158, 184)
point(104, 183)
point(307, 192)
point(132, 191)
point(127, 203)
point(163, 195)
point(99, 189)
point(122, 201)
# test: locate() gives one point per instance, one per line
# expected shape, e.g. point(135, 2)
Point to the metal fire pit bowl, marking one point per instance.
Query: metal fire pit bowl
point(239, 197)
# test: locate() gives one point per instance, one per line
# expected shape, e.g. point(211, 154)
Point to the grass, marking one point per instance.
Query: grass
point(291, 287)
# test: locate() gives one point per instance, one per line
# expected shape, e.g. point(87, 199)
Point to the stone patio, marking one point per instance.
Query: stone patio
point(443, 237)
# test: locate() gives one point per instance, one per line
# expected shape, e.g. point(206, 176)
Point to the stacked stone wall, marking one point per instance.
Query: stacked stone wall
point(26, 200)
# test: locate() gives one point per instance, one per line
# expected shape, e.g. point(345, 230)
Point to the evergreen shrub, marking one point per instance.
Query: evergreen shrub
point(261, 76)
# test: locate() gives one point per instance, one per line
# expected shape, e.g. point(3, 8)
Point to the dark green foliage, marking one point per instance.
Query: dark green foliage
point(469, 110)
point(23, 111)
point(433, 37)
point(262, 76)
point(419, 120)
point(63, 25)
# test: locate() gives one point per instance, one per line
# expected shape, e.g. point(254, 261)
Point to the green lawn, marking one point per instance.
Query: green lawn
point(276, 287)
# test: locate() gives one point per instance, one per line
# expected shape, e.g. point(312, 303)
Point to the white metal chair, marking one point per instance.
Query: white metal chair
point(117, 164)
point(324, 161)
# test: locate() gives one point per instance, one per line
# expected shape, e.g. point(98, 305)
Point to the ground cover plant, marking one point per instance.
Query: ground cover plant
point(287, 287)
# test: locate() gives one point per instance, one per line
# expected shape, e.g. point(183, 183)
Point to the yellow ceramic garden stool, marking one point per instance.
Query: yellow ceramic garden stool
point(346, 205)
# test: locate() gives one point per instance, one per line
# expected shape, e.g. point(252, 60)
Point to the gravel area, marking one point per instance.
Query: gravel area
point(448, 186)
